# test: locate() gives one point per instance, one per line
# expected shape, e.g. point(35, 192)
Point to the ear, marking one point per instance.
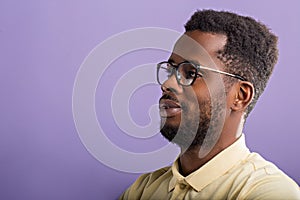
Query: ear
point(244, 94)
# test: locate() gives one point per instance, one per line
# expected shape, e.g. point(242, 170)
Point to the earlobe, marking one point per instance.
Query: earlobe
point(244, 96)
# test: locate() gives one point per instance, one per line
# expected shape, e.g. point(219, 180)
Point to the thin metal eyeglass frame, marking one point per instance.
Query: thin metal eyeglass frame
point(197, 67)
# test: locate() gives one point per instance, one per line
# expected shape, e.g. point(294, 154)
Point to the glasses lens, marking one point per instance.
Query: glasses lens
point(186, 73)
point(164, 72)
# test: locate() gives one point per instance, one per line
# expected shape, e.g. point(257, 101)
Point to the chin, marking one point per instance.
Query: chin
point(173, 120)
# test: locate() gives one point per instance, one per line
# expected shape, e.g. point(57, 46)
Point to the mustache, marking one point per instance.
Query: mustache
point(170, 97)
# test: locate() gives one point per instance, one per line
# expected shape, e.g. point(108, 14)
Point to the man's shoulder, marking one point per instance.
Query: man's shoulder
point(263, 179)
point(260, 167)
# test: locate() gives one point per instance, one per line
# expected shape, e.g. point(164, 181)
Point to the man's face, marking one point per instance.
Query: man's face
point(188, 113)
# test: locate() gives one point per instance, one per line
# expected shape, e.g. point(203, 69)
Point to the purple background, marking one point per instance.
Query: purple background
point(42, 45)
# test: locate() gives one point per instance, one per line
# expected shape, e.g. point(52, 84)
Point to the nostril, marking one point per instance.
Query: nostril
point(168, 89)
point(163, 88)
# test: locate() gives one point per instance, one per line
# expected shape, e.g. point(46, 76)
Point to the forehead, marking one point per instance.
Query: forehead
point(201, 47)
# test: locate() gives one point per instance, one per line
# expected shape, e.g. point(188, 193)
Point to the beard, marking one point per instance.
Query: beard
point(197, 127)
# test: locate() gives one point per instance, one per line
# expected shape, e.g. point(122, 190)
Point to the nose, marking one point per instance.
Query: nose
point(171, 85)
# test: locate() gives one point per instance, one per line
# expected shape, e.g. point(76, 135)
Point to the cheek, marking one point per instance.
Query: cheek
point(198, 93)
point(196, 103)
point(209, 90)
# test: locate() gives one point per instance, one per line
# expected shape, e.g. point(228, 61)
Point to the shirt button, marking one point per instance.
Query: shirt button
point(182, 186)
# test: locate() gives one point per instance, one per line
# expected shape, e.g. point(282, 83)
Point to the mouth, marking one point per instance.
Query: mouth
point(169, 108)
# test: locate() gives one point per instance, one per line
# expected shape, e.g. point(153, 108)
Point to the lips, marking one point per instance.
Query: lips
point(169, 107)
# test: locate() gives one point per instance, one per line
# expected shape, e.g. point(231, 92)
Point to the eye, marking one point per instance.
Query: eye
point(191, 74)
point(188, 71)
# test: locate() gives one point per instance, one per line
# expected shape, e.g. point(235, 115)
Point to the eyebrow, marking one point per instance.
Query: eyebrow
point(194, 62)
point(170, 60)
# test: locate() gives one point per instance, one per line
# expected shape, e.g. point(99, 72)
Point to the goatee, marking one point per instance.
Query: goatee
point(191, 131)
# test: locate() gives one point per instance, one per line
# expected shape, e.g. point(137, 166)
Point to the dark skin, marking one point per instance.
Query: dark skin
point(238, 97)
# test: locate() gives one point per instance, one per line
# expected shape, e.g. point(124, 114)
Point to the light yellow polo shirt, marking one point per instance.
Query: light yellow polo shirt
point(234, 173)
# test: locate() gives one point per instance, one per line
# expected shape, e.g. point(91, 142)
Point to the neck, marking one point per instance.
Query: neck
point(190, 161)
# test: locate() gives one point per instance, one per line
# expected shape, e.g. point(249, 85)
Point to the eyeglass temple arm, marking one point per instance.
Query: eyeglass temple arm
point(222, 72)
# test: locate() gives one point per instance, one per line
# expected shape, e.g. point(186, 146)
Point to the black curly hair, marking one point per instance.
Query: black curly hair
point(250, 51)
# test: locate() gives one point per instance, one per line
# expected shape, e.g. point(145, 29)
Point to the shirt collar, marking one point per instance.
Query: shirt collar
point(214, 168)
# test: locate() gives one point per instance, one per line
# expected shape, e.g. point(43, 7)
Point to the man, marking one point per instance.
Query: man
point(212, 80)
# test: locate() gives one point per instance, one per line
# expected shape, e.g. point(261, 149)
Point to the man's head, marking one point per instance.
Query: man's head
point(242, 54)
point(250, 51)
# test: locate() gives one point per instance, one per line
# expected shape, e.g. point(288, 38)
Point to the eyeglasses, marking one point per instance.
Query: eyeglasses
point(186, 72)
